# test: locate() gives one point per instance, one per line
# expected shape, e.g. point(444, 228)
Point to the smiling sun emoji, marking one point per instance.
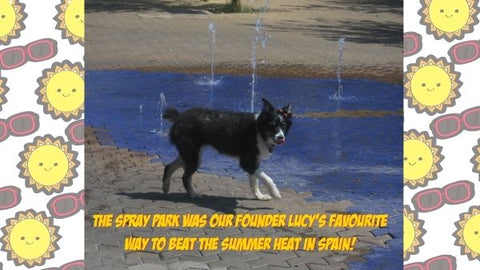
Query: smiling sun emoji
point(421, 159)
point(412, 232)
point(468, 233)
point(71, 20)
point(449, 19)
point(12, 16)
point(431, 85)
point(61, 90)
point(48, 164)
point(30, 238)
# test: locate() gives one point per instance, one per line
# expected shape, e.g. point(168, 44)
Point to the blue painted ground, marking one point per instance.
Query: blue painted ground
point(357, 159)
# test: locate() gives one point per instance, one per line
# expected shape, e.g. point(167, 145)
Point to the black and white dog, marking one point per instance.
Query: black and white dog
point(246, 136)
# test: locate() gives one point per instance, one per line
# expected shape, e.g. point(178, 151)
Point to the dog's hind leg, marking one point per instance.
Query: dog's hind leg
point(168, 172)
point(191, 163)
point(272, 188)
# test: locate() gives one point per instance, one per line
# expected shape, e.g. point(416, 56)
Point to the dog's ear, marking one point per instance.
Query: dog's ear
point(287, 111)
point(267, 106)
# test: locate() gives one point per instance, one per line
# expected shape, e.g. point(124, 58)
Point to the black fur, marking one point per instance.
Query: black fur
point(230, 133)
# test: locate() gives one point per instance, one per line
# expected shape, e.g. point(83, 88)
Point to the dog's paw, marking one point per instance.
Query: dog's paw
point(274, 191)
point(277, 195)
point(166, 188)
point(263, 197)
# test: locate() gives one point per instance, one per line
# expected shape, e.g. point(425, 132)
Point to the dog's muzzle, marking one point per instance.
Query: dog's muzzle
point(280, 139)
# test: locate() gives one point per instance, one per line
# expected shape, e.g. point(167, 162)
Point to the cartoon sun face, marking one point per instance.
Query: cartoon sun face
point(7, 17)
point(61, 91)
point(3, 91)
point(408, 233)
point(65, 91)
point(412, 232)
point(471, 233)
point(48, 164)
point(449, 16)
point(418, 159)
point(476, 158)
point(449, 19)
point(30, 238)
point(431, 85)
point(468, 233)
point(421, 159)
point(75, 18)
point(12, 16)
point(71, 20)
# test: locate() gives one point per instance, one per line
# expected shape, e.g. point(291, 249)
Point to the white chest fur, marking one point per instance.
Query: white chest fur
point(263, 149)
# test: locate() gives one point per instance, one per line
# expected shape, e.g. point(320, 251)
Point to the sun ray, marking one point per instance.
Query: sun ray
point(3, 90)
point(476, 158)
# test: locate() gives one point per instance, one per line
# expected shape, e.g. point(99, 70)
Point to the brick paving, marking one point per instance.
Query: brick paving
point(123, 181)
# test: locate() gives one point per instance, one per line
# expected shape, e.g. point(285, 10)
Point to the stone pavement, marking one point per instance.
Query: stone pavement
point(123, 181)
point(172, 35)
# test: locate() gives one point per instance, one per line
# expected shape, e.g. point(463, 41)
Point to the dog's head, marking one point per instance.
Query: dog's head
point(274, 124)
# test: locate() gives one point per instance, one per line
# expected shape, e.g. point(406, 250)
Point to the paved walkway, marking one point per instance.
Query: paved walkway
point(122, 181)
point(167, 35)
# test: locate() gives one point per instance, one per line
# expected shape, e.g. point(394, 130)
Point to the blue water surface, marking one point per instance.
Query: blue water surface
point(352, 158)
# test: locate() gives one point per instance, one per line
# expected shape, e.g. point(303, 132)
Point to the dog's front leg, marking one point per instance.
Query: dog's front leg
point(250, 165)
point(272, 188)
point(256, 190)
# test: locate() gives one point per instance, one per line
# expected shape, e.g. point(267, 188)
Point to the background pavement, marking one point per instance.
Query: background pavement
point(168, 35)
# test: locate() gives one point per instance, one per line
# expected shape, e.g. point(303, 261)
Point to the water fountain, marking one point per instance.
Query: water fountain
point(212, 27)
point(259, 36)
point(341, 47)
point(162, 103)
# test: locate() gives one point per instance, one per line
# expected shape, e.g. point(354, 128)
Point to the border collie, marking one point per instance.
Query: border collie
point(246, 136)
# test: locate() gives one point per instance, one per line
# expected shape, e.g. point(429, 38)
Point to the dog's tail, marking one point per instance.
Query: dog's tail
point(171, 114)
